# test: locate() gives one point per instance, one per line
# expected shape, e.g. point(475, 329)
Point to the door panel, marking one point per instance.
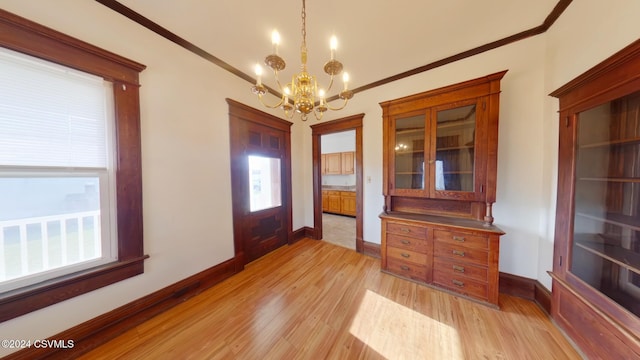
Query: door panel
point(260, 175)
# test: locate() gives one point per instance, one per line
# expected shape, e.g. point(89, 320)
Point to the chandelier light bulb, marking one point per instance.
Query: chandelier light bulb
point(275, 41)
point(345, 79)
point(333, 43)
point(258, 70)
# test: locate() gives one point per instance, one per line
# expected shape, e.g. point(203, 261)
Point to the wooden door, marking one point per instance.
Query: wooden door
point(261, 177)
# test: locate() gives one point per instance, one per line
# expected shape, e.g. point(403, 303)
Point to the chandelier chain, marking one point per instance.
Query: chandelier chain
point(304, 26)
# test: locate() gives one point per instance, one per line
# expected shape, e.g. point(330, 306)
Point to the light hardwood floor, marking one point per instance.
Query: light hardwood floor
point(315, 300)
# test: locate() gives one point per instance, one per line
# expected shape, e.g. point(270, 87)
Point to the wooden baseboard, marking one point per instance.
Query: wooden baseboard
point(303, 232)
point(371, 249)
point(526, 288)
point(97, 331)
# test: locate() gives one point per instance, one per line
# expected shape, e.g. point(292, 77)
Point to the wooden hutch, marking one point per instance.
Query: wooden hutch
point(596, 269)
point(439, 183)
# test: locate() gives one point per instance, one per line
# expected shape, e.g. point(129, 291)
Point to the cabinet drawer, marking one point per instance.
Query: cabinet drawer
point(407, 230)
point(461, 253)
point(460, 238)
point(460, 284)
point(406, 255)
point(406, 242)
point(460, 269)
point(408, 270)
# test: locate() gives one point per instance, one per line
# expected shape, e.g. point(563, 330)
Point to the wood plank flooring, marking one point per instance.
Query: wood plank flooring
point(315, 300)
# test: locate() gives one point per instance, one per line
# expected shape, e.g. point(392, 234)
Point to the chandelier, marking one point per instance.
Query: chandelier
point(299, 96)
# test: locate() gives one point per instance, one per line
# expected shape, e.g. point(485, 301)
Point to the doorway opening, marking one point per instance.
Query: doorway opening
point(337, 166)
point(334, 201)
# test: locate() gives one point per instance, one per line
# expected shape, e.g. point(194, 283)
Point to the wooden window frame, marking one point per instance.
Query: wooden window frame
point(25, 36)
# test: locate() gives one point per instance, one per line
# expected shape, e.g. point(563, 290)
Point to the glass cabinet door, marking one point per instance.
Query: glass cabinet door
point(409, 150)
point(606, 240)
point(454, 160)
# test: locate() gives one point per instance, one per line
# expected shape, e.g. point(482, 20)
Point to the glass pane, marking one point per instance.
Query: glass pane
point(455, 138)
point(264, 183)
point(606, 248)
point(409, 152)
point(47, 223)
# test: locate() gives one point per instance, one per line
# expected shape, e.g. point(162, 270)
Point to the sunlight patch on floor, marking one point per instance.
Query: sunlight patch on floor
point(397, 332)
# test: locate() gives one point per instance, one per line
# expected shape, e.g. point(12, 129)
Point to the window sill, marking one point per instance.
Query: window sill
point(22, 301)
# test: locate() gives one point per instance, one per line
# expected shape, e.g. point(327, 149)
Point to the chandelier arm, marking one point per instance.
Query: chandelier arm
point(330, 85)
point(271, 106)
point(275, 75)
point(340, 107)
point(315, 114)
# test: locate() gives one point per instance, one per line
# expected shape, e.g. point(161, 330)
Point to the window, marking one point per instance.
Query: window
point(71, 209)
point(264, 180)
point(56, 171)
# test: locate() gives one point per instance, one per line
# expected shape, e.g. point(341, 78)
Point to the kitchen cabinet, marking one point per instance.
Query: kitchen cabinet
point(348, 203)
point(339, 163)
point(348, 163)
point(339, 202)
point(331, 164)
point(596, 270)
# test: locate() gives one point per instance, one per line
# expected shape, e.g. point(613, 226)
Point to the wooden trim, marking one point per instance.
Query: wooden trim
point(371, 249)
point(97, 331)
point(537, 30)
point(165, 33)
point(303, 232)
point(27, 37)
point(526, 288)
point(23, 301)
point(353, 122)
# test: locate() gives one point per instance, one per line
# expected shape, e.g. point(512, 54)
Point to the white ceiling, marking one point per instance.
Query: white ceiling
point(376, 39)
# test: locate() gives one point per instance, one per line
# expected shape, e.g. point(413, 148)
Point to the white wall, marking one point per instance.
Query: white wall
point(185, 143)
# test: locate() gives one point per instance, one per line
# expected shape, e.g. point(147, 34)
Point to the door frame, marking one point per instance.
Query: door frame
point(344, 124)
point(240, 112)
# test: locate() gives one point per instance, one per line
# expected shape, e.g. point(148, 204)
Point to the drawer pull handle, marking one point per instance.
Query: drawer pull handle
point(459, 269)
point(457, 283)
point(404, 255)
point(406, 230)
point(459, 253)
point(404, 267)
point(406, 242)
point(459, 238)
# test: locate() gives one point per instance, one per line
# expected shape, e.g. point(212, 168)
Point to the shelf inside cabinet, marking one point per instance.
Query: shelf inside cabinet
point(628, 141)
point(455, 148)
point(410, 131)
point(615, 219)
point(457, 124)
point(617, 254)
point(605, 179)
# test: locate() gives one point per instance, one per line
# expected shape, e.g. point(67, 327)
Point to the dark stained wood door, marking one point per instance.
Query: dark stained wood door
point(261, 181)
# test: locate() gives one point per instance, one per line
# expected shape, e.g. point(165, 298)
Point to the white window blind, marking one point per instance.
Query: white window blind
point(51, 115)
